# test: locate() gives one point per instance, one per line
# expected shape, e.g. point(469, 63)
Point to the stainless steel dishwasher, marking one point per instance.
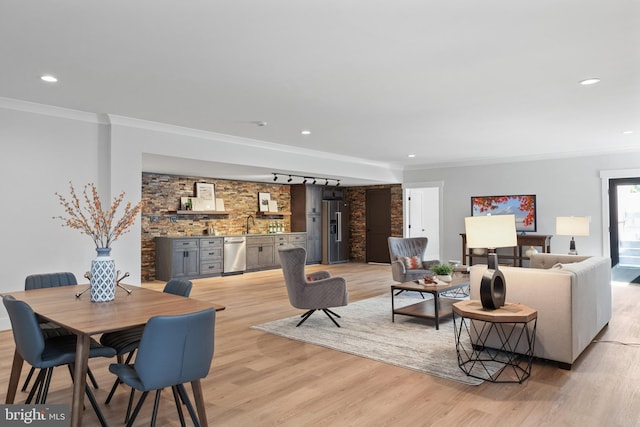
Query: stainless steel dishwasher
point(235, 254)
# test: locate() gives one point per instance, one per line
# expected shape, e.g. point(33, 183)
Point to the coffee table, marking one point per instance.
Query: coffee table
point(436, 308)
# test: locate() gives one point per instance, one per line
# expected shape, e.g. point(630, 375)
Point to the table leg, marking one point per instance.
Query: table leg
point(436, 304)
point(196, 386)
point(79, 379)
point(393, 310)
point(16, 369)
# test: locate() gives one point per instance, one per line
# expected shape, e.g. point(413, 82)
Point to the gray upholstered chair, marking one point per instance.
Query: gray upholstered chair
point(49, 330)
point(401, 250)
point(173, 350)
point(128, 340)
point(48, 353)
point(312, 291)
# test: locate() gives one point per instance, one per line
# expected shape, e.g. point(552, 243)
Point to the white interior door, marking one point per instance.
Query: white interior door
point(423, 217)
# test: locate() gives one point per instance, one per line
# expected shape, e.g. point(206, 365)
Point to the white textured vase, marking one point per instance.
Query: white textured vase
point(103, 276)
point(445, 278)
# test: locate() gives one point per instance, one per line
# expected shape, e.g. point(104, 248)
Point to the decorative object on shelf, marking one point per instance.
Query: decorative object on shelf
point(443, 271)
point(530, 251)
point(572, 226)
point(205, 197)
point(186, 203)
point(273, 206)
point(263, 201)
point(90, 219)
point(219, 204)
point(491, 232)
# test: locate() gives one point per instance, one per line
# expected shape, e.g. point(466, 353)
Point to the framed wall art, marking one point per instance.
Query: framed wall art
point(263, 202)
point(206, 195)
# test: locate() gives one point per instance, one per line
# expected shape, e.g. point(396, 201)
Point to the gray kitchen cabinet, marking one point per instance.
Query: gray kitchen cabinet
point(295, 239)
point(188, 257)
point(260, 252)
point(306, 216)
point(176, 258)
point(211, 256)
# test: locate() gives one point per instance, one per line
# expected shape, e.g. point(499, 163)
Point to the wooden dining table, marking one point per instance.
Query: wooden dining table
point(84, 318)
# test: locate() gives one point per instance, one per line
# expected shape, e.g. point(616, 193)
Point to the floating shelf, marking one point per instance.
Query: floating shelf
point(282, 213)
point(182, 212)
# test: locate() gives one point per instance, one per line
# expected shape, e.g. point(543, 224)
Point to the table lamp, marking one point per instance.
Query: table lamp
point(491, 232)
point(572, 226)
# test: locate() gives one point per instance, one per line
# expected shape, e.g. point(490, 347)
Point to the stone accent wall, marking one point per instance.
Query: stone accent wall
point(356, 197)
point(162, 196)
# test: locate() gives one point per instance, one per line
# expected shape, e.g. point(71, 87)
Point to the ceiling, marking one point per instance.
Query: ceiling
point(450, 82)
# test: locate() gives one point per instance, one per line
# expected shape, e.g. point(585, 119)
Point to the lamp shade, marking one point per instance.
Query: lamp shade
point(572, 225)
point(491, 231)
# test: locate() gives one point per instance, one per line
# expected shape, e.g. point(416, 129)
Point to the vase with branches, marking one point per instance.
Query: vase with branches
point(85, 213)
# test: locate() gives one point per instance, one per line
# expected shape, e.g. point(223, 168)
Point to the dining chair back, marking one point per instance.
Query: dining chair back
point(49, 280)
point(174, 350)
point(178, 287)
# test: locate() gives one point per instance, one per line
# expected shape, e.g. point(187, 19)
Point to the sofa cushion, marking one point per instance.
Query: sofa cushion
point(411, 263)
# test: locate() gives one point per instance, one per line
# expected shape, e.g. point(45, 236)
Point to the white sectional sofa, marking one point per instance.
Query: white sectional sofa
point(572, 295)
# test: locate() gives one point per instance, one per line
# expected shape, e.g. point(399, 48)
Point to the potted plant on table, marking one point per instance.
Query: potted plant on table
point(443, 271)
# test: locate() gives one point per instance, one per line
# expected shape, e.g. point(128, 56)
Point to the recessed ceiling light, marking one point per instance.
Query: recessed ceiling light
point(49, 78)
point(411, 155)
point(627, 132)
point(306, 132)
point(591, 81)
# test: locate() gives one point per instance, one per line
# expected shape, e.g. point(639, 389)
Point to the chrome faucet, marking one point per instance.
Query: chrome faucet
point(252, 220)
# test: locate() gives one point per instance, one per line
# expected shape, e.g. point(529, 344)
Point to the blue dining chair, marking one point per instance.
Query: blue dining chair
point(174, 350)
point(46, 354)
point(51, 280)
point(126, 342)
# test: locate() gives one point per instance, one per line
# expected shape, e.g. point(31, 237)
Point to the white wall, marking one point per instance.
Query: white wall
point(570, 186)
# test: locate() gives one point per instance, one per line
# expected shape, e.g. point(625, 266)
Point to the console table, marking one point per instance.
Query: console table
point(543, 241)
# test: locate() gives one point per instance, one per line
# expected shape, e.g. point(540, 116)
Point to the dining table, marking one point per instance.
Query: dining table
point(73, 310)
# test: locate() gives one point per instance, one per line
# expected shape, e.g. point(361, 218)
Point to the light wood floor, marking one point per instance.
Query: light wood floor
point(258, 379)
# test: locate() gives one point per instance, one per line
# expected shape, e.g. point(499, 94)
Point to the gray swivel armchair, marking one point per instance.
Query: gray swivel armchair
point(401, 250)
point(312, 291)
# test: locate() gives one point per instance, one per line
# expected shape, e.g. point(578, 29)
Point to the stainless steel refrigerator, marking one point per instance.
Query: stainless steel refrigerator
point(335, 231)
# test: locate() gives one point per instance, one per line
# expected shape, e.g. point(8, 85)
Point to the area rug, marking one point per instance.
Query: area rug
point(367, 331)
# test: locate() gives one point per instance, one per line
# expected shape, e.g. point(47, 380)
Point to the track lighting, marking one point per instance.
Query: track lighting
point(305, 179)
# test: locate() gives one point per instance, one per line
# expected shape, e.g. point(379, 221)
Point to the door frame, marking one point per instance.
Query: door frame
point(605, 176)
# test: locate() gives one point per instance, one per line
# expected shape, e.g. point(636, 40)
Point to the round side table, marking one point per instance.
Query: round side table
point(495, 345)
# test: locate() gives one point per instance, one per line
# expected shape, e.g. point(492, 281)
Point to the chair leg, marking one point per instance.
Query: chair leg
point(185, 398)
point(92, 378)
point(137, 409)
point(45, 390)
point(177, 398)
point(26, 382)
point(156, 403)
point(329, 314)
point(305, 316)
point(96, 407)
point(37, 387)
